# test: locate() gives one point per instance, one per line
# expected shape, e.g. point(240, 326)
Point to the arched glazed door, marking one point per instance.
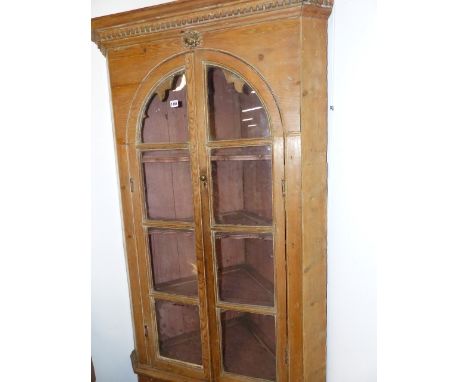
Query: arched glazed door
point(207, 165)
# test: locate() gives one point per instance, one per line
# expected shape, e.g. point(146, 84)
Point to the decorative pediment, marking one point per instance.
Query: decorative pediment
point(163, 18)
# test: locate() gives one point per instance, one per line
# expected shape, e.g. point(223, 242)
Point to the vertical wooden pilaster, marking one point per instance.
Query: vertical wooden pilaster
point(314, 196)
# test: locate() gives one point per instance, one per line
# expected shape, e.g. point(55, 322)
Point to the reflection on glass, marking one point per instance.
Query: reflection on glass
point(165, 119)
point(242, 185)
point(249, 344)
point(245, 268)
point(174, 262)
point(179, 331)
point(235, 109)
point(168, 185)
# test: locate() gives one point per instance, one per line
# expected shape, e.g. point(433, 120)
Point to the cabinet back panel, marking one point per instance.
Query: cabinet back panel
point(166, 124)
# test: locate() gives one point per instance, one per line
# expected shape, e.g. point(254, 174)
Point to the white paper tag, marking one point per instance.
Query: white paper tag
point(175, 103)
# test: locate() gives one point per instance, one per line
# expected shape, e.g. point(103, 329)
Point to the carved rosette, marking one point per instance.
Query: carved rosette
point(192, 39)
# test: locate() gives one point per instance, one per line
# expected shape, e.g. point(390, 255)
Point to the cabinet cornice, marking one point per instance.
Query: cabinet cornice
point(125, 26)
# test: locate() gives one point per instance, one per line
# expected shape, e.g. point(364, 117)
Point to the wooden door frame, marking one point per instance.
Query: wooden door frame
point(193, 62)
point(203, 58)
point(181, 61)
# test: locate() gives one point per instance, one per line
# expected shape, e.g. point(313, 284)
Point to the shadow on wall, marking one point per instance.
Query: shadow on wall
point(93, 375)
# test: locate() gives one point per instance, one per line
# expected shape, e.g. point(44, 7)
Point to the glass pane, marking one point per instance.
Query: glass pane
point(174, 262)
point(179, 331)
point(242, 186)
point(168, 185)
point(165, 119)
point(245, 268)
point(249, 344)
point(235, 109)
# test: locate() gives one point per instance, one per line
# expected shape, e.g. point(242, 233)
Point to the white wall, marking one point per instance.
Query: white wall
point(352, 287)
point(112, 339)
point(351, 264)
point(112, 333)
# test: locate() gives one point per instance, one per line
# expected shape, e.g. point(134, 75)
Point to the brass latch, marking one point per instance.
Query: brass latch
point(203, 179)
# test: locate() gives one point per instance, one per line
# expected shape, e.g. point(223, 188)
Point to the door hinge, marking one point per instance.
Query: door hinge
point(283, 187)
point(132, 185)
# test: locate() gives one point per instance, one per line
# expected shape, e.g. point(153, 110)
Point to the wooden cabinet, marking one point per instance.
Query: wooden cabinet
point(220, 117)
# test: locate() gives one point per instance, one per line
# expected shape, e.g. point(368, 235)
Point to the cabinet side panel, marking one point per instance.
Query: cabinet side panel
point(294, 254)
point(314, 195)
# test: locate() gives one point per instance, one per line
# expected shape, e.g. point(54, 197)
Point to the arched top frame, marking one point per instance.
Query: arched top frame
point(178, 63)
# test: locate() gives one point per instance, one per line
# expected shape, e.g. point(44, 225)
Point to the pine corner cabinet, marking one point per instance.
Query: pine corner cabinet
point(220, 125)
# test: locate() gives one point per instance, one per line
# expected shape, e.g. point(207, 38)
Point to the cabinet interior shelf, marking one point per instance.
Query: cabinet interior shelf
point(185, 347)
point(242, 217)
point(186, 158)
point(238, 284)
point(239, 217)
point(168, 159)
point(249, 354)
point(219, 157)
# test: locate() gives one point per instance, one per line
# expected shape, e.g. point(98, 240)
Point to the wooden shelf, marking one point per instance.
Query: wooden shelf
point(239, 284)
point(244, 351)
point(242, 217)
point(168, 159)
point(185, 347)
point(241, 157)
point(187, 286)
point(244, 235)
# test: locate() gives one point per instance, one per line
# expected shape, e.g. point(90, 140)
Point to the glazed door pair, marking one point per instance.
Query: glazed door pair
point(208, 165)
